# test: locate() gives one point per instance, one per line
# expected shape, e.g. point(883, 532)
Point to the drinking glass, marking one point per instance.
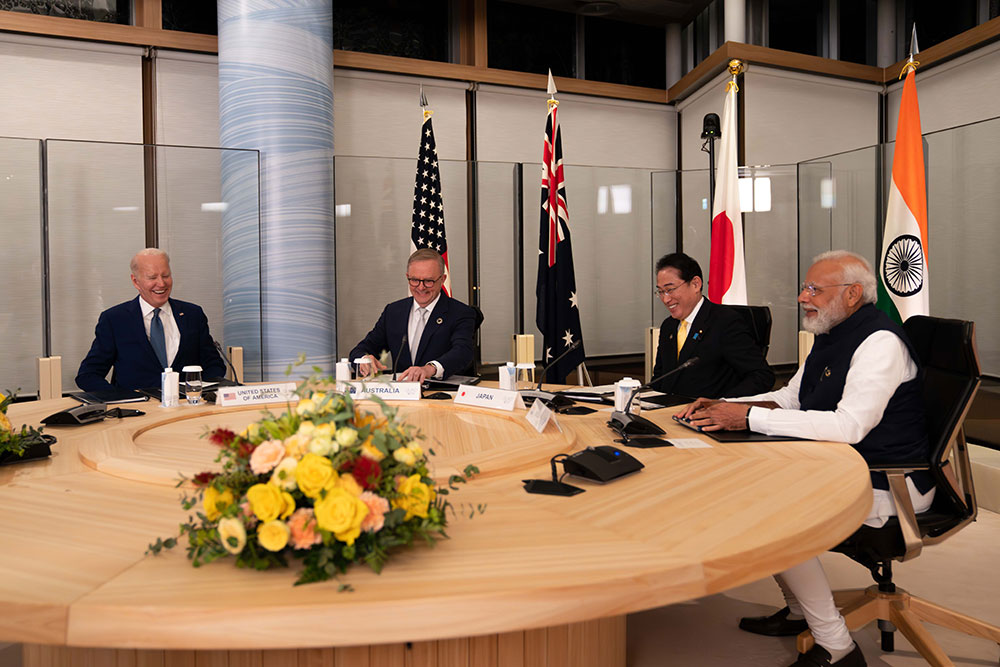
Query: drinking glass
point(192, 384)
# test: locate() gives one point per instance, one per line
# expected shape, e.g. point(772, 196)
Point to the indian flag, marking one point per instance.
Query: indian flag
point(902, 271)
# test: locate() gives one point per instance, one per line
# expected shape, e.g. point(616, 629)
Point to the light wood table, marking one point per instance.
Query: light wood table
point(535, 580)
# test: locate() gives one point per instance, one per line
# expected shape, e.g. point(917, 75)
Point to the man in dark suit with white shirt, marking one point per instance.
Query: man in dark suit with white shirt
point(439, 330)
point(730, 363)
point(141, 337)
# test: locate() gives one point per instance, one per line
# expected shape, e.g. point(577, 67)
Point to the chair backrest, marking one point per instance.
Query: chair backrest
point(758, 318)
point(947, 353)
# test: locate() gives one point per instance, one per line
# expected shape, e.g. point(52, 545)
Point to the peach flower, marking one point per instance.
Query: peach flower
point(377, 507)
point(303, 527)
point(267, 455)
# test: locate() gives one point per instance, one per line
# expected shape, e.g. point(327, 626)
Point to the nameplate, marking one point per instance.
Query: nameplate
point(277, 392)
point(484, 397)
point(540, 414)
point(388, 391)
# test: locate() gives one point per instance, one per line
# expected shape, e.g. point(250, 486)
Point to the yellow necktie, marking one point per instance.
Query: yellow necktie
point(682, 333)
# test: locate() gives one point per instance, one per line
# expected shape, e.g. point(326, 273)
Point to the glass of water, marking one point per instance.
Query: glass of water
point(192, 384)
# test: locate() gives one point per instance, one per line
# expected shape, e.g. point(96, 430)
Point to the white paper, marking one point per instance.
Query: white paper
point(388, 391)
point(275, 392)
point(539, 415)
point(486, 397)
point(690, 443)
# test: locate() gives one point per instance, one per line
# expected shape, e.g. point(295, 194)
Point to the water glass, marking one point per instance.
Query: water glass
point(192, 384)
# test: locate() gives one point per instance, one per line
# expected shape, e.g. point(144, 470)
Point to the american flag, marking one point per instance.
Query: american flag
point(427, 229)
point(557, 314)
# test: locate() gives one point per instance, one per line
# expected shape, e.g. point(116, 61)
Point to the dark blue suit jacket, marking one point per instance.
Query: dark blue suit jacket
point(448, 336)
point(120, 341)
point(730, 363)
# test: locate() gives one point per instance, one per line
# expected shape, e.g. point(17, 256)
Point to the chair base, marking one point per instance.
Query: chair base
point(863, 605)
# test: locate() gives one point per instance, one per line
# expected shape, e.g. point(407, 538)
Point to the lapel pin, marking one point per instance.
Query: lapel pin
point(826, 372)
point(440, 320)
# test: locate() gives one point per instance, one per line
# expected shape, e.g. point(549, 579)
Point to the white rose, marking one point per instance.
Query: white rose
point(284, 474)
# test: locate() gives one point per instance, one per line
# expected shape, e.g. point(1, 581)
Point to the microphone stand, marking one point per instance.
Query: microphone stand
point(395, 360)
point(626, 423)
point(225, 358)
point(547, 396)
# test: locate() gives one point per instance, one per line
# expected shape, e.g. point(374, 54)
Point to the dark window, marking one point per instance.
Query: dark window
point(857, 24)
point(113, 11)
point(936, 21)
point(530, 39)
point(392, 28)
point(188, 16)
point(626, 53)
point(795, 25)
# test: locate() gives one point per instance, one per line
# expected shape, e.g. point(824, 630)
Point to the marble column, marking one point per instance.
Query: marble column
point(276, 96)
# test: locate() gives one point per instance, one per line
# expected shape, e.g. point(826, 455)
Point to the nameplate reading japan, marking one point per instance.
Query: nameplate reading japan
point(278, 392)
point(484, 397)
point(389, 391)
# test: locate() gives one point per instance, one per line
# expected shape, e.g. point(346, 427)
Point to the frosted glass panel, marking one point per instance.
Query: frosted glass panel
point(96, 224)
point(497, 258)
point(20, 265)
point(190, 207)
point(374, 198)
point(664, 207)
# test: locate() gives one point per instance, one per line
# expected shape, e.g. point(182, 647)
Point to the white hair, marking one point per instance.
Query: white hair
point(146, 252)
point(853, 269)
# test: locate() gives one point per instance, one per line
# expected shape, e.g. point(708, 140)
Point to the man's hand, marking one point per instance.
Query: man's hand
point(418, 373)
point(373, 368)
point(719, 415)
point(697, 405)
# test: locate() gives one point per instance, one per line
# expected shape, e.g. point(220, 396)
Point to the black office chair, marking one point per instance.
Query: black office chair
point(758, 318)
point(947, 352)
point(473, 368)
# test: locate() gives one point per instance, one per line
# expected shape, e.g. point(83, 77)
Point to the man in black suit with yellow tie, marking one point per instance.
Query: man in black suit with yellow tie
point(730, 362)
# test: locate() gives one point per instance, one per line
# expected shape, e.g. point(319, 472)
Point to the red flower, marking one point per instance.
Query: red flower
point(204, 478)
point(222, 437)
point(244, 448)
point(366, 472)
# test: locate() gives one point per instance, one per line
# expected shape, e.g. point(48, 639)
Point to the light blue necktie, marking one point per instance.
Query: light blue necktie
point(158, 339)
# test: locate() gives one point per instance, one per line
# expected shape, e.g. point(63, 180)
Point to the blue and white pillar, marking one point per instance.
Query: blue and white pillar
point(276, 96)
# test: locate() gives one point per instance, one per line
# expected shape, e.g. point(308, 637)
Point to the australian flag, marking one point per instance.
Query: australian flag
point(427, 228)
point(557, 316)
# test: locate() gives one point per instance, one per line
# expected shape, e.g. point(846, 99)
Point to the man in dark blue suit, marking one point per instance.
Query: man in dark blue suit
point(439, 330)
point(141, 337)
point(730, 362)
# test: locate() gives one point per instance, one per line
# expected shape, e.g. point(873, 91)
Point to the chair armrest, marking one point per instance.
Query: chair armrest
point(899, 467)
point(904, 512)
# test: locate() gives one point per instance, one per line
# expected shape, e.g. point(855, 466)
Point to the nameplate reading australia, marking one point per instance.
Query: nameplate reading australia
point(484, 397)
point(277, 392)
point(387, 391)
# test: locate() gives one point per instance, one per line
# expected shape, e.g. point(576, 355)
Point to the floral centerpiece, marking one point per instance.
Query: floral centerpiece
point(25, 443)
point(324, 482)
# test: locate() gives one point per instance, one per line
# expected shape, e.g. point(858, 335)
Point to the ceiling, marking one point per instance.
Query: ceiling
point(649, 12)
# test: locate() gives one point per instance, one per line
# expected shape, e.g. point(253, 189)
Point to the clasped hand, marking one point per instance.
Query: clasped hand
point(713, 415)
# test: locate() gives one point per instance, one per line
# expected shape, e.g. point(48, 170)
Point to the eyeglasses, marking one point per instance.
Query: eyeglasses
point(818, 289)
point(668, 291)
point(426, 282)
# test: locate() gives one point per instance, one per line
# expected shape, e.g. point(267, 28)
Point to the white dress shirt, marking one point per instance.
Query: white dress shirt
point(411, 330)
point(171, 333)
point(879, 365)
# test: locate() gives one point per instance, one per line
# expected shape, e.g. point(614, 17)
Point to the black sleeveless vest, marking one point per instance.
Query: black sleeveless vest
point(901, 435)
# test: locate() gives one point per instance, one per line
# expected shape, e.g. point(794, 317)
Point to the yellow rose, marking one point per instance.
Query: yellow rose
point(296, 445)
point(284, 474)
point(320, 401)
point(315, 473)
point(250, 432)
point(324, 431)
point(371, 451)
point(415, 497)
point(305, 405)
point(346, 436)
point(322, 446)
point(349, 484)
point(306, 428)
point(417, 450)
point(404, 456)
point(266, 501)
point(289, 505)
point(273, 535)
point(233, 535)
point(341, 513)
point(216, 501)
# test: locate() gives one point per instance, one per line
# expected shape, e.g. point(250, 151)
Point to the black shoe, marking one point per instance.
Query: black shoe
point(818, 656)
point(775, 625)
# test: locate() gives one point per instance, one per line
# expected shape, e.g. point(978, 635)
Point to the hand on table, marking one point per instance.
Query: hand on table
point(373, 368)
point(418, 373)
point(717, 415)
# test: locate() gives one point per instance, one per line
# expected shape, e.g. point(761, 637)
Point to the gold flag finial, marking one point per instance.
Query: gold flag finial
point(736, 67)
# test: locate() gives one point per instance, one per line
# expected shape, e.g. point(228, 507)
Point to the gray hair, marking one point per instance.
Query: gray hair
point(853, 269)
point(146, 252)
point(425, 254)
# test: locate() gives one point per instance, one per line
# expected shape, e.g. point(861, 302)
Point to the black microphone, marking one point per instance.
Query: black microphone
point(225, 358)
point(626, 423)
point(554, 362)
point(395, 360)
point(553, 400)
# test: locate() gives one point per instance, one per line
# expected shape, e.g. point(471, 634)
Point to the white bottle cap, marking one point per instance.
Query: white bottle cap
point(191, 369)
point(168, 369)
point(510, 364)
point(344, 361)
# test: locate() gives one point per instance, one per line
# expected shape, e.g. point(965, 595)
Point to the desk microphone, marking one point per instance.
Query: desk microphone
point(626, 423)
point(225, 358)
point(395, 360)
point(550, 398)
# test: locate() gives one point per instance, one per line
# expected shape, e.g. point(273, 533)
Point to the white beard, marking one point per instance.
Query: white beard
point(825, 319)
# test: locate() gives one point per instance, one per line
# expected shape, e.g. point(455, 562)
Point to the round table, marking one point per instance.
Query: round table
point(532, 580)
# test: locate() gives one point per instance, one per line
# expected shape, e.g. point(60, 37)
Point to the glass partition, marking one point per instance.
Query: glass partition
point(21, 261)
point(840, 208)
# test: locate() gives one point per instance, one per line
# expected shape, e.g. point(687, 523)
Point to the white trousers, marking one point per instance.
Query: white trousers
point(807, 591)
